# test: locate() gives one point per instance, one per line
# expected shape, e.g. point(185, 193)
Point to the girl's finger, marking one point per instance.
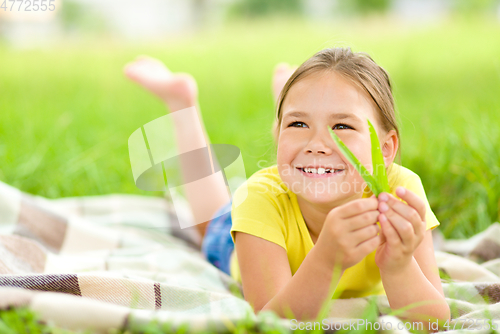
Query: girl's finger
point(354, 208)
point(369, 245)
point(404, 210)
point(362, 220)
point(403, 227)
point(413, 200)
point(391, 236)
point(382, 235)
point(365, 233)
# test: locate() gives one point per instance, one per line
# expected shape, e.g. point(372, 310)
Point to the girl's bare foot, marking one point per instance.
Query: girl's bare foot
point(282, 72)
point(177, 90)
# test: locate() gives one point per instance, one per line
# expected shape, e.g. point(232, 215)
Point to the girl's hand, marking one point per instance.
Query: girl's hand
point(403, 228)
point(350, 232)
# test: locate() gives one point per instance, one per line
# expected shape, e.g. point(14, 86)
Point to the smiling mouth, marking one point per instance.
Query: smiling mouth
point(319, 171)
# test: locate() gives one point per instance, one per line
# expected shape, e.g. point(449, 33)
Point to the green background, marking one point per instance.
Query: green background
point(66, 111)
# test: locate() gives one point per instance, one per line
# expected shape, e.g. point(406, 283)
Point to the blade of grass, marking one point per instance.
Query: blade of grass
point(379, 172)
point(369, 179)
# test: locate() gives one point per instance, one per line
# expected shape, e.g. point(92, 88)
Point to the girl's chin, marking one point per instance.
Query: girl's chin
point(329, 198)
point(324, 198)
point(323, 191)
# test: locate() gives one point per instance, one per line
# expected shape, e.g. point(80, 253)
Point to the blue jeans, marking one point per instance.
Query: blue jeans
point(217, 245)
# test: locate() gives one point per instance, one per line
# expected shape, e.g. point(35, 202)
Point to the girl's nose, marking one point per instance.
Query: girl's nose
point(320, 143)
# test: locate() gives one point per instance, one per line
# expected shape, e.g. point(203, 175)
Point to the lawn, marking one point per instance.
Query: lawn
point(66, 111)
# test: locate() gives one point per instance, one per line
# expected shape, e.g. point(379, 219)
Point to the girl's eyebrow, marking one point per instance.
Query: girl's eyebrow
point(332, 116)
point(344, 116)
point(296, 114)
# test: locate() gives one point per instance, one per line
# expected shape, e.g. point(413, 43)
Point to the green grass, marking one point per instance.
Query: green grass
point(66, 111)
point(24, 321)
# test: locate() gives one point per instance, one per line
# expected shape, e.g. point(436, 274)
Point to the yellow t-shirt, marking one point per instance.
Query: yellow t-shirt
point(266, 208)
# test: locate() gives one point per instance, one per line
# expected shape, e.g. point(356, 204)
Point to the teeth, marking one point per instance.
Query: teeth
point(320, 170)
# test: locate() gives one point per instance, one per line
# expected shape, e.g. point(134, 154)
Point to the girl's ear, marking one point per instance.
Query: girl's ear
point(390, 144)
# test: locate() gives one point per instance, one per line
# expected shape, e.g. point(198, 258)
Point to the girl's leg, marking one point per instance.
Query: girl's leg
point(282, 72)
point(179, 91)
point(218, 244)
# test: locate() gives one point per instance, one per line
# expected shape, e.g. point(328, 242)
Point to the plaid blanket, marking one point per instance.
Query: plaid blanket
point(121, 261)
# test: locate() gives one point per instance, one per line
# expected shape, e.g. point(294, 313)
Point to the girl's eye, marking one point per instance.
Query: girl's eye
point(298, 125)
point(341, 127)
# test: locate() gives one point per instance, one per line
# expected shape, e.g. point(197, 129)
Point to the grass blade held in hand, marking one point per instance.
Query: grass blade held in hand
point(379, 173)
point(369, 179)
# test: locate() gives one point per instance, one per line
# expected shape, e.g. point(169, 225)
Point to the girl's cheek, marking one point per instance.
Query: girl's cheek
point(288, 142)
point(352, 141)
point(357, 143)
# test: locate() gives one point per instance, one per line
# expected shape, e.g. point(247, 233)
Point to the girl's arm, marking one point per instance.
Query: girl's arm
point(348, 235)
point(419, 282)
point(268, 283)
point(406, 260)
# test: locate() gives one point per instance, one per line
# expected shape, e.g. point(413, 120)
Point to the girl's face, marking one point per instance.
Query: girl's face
point(315, 102)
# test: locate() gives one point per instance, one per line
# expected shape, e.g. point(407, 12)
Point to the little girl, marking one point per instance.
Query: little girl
point(306, 229)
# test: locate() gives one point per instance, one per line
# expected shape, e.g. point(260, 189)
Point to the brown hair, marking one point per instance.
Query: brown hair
point(358, 67)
